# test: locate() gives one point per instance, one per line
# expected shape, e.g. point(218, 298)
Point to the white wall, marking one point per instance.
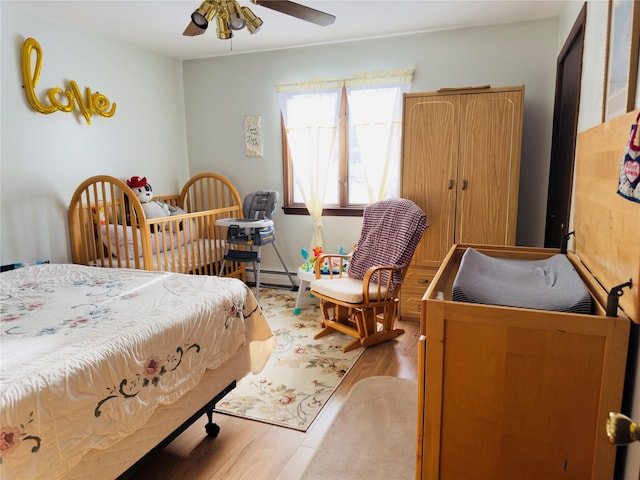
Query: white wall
point(220, 91)
point(44, 157)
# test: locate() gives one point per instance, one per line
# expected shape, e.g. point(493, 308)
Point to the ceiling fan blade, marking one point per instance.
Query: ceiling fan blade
point(299, 11)
point(192, 30)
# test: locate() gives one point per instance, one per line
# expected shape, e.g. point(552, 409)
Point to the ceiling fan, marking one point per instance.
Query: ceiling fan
point(230, 16)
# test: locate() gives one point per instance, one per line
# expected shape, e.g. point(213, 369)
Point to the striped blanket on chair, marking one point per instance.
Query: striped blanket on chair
point(391, 230)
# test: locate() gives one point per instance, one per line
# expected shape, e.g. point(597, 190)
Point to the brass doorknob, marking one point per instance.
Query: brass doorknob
point(621, 430)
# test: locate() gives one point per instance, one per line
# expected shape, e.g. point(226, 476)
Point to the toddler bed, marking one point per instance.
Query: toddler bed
point(108, 227)
point(101, 365)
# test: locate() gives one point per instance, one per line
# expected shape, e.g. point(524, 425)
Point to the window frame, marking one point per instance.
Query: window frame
point(343, 209)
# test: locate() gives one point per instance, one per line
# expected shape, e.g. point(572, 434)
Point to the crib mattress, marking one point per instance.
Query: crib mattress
point(548, 284)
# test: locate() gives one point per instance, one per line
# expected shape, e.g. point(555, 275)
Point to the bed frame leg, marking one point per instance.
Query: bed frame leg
point(212, 429)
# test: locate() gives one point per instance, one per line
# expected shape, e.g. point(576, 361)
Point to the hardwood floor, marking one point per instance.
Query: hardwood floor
point(246, 449)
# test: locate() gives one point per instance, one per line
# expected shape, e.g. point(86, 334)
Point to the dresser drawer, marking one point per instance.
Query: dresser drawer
point(415, 284)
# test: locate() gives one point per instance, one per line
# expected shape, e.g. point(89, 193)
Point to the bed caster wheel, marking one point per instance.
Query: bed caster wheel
point(213, 429)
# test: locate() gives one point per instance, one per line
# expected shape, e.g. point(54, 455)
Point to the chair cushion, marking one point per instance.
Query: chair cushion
point(344, 289)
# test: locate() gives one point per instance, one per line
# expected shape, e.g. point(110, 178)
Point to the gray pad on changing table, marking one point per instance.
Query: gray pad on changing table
point(548, 284)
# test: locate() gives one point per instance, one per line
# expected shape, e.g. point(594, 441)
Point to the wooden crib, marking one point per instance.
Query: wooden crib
point(108, 228)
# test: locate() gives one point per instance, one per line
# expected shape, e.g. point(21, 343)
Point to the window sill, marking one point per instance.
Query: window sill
point(327, 212)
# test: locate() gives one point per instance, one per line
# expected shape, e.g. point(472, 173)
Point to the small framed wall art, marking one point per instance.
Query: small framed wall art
point(621, 61)
point(252, 136)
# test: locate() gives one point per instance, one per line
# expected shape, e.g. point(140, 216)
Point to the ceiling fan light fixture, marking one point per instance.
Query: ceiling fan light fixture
point(253, 23)
point(222, 28)
point(231, 16)
point(204, 14)
point(236, 19)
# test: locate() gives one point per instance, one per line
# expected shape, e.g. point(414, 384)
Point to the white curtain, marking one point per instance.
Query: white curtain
point(311, 113)
point(375, 125)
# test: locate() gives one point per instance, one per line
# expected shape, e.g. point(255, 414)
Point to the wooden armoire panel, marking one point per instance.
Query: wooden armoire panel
point(430, 160)
point(489, 168)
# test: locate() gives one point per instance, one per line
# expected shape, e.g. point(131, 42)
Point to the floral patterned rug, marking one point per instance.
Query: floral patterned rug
point(301, 374)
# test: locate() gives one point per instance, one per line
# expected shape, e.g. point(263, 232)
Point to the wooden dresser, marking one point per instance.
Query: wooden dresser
point(461, 165)
point(522, 393)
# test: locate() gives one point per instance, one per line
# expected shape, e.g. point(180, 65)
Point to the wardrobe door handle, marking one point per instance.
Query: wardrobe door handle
point(450, 184)
point(464, 184)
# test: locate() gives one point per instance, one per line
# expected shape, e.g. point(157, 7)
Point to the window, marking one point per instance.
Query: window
point(341, 142)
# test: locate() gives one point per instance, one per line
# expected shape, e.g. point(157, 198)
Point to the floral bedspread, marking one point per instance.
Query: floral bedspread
point(87, 354)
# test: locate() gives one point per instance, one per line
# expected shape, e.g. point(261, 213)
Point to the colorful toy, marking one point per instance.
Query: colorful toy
point(306, 272)
point(309, 265)
point(317, 251)
point(306, 266)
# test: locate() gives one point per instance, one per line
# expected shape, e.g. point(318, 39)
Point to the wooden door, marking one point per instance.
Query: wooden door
point(489, 167)
point(430, 151)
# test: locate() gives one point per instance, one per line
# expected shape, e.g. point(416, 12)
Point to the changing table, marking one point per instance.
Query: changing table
point(511, 392)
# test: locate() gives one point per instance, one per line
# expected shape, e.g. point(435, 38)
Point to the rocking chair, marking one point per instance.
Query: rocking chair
point(363, 301)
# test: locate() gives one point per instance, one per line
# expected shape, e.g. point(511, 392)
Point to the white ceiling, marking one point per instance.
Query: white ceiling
point(157, 25)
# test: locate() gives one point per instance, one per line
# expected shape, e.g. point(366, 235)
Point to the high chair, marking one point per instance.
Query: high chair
point(246, 236)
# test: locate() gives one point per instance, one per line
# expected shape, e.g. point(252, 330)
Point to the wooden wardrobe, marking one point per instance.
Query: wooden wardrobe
point(461, 165)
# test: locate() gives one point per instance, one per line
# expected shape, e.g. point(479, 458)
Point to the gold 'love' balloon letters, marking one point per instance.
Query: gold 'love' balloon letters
point(88, 105)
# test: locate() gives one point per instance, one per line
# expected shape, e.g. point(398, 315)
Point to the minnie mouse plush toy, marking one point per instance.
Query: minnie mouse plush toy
point(144, 192)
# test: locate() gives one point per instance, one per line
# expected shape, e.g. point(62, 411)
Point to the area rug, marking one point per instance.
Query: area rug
point(301, 374)
point(373, 436)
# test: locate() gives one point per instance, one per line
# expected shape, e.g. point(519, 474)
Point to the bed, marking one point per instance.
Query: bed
point(521, 380)
point(101, 366)
point(108, 228)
